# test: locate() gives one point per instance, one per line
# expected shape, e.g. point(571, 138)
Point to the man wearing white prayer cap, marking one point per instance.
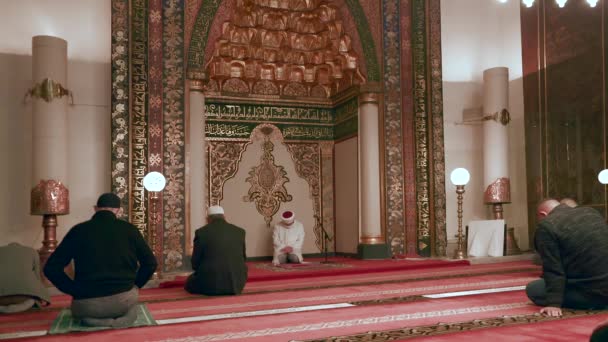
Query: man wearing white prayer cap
point(218, 258)
point(288, 237)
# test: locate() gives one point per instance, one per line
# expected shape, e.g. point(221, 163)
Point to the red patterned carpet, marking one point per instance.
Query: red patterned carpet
point(265, 271)
point(368, 306)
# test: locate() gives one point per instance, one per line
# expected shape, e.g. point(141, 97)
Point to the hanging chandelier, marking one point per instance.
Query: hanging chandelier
point(560, 3)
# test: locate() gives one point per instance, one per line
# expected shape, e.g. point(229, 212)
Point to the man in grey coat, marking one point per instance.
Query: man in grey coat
point(572, 245)
point(20, 284)
point(218, 258)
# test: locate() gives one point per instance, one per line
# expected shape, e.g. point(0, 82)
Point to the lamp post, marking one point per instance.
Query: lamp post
point(460, 177)
point(154, 183)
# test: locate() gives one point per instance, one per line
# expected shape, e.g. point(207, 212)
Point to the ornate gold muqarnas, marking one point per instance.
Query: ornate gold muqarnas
point(48, 90)
point(498, 191)
point(293, 48)
point(267, 182)
point(50, 197)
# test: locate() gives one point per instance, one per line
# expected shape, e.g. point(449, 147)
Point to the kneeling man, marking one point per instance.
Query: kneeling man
point(218, 257)
point(111, 261)
point(572, 245)
point(20, 285)
point(288, 237)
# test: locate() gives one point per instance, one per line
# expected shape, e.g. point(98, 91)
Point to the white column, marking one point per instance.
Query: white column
point(198, 164)
point(50, 112)
point(495, 138)
point(370, 227)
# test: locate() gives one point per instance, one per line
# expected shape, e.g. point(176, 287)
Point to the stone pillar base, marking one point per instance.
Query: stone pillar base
point(376, 251)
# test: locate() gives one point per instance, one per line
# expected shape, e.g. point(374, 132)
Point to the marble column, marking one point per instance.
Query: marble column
point(49, 109)
point(496, 138)
point(50, 175)
point(198, 163)
point(372, 244)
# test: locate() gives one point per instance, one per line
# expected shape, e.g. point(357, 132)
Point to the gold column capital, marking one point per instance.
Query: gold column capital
point(197, 85)
point(327, 148)
point(372, 87)
point(369, 98)
point(372, 240)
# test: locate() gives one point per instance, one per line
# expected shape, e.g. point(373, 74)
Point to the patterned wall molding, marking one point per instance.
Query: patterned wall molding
point(266, 113)
point(120, 124)
point(407, 115)
point(327, 192)
point(198, 42)
point(422, 126)
point(393, 130)
point(138, 214)
point(414, 153)
point(155, 113)
point(175, 210)
point(230, 121)
point(228, 130)
point(367, 40)
point(223, 159)
point(440, 239)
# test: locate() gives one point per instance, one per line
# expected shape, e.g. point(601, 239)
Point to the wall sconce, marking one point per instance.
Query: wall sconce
point(592, 3)
point(460, 177)
point(603, 176)
point(561, 3)
point(154, 183)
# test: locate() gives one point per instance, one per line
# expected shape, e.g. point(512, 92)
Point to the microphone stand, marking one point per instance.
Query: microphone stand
point(326, 239)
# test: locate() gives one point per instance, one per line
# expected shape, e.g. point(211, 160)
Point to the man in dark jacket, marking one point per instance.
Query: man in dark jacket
point(218, 258)
point(572, 245)
point(111, 261)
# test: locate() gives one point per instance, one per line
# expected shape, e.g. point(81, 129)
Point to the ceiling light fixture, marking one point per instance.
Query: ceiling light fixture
point(592, 3)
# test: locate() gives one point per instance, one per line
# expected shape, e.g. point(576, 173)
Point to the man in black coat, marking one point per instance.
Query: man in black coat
point(111, 261)
point(218, 258)
point(572, 244)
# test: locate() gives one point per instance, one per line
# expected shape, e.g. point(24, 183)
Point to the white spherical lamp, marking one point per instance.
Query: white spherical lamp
point(603, 176)
point(154, 181)
point(460, 176)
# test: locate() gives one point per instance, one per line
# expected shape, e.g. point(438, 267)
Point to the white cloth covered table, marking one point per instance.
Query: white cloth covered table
point(486, 238)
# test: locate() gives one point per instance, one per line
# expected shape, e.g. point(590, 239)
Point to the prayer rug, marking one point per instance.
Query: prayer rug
point(65, 323)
